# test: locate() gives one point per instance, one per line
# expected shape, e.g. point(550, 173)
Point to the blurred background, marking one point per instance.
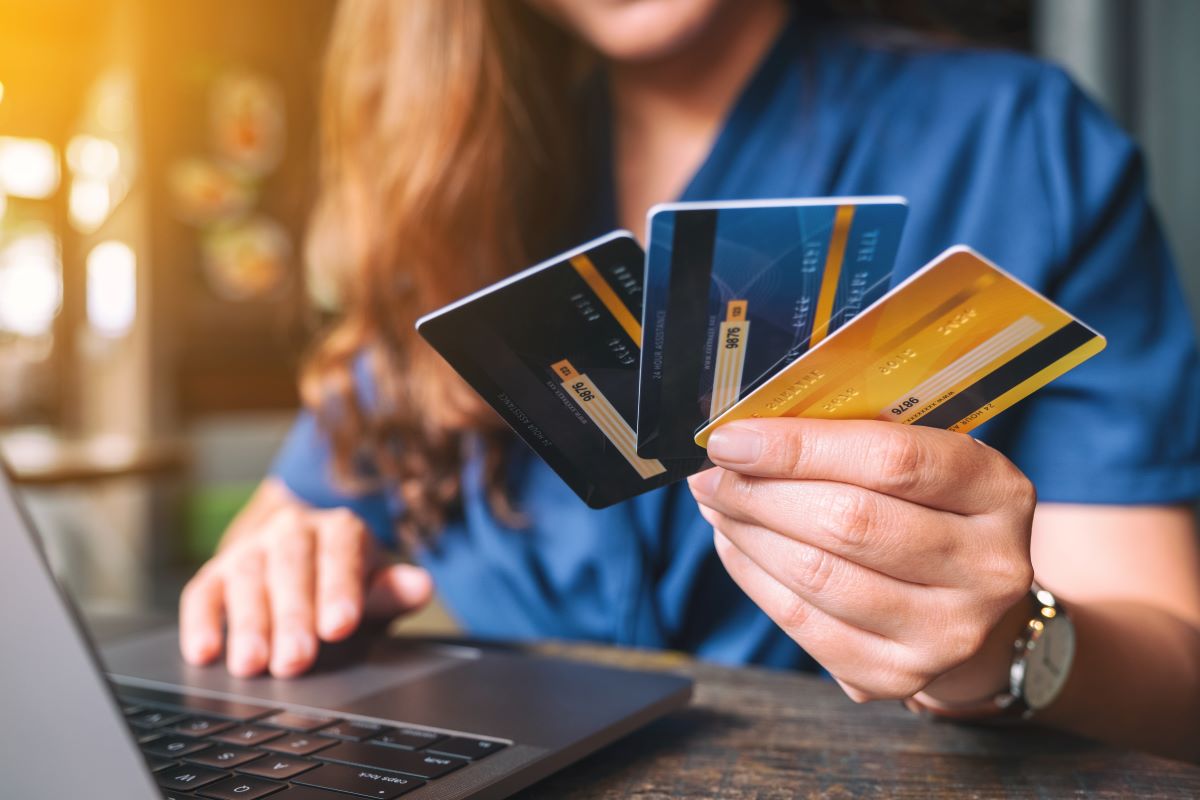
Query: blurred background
point(157, 161)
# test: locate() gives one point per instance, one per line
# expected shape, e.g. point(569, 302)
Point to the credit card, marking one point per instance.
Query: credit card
point(951, 347)
point(554, 350)
point(735, 290)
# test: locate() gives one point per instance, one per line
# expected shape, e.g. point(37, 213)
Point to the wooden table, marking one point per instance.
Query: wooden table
point(766, 734)
point(757, 733)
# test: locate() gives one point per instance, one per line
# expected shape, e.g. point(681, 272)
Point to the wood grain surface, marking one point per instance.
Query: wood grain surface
point(765, 734)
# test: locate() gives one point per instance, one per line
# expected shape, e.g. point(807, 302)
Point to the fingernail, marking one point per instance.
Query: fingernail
point(339, 616)
point(291, 655)
point(705, 483)
point(202, 647)
point(293, 649)
point(735, 444)
point(417, 585)
point(248, 652)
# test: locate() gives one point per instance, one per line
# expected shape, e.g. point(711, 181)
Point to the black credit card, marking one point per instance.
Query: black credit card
point(555, 350)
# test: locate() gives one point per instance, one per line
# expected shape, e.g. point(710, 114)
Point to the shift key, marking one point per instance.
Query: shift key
point(362, 781)
point(363, 754)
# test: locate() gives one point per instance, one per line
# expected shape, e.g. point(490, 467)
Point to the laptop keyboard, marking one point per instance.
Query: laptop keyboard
point(202, 747)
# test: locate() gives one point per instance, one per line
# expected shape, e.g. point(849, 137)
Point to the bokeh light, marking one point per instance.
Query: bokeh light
point(93, 157)
point(30, 284)
point(28, 167)
point(111, 288)
point(89, 203)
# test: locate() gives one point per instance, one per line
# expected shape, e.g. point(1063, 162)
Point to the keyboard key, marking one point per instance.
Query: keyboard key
point(249, 735)
point(423, 765)
point(201, 726)
point(155, 718)
point(146, 737)
point(187, 777)
point(408, 738)
point(359, 781)
point(298, 722)
point(159, 764)
point(472, 749)
point(194, 704)
point(170, 747)
point(225, 757)
point(299, 744)
point(278, 767)
point(240, 786)
point(352, 731)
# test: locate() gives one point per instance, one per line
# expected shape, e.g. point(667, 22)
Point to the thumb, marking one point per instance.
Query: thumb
point(398, 589)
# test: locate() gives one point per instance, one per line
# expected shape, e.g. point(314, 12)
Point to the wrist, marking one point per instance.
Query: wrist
point(986, 674)
point(1041, 660)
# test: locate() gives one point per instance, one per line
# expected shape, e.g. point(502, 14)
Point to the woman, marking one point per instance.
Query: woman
point(464, 140)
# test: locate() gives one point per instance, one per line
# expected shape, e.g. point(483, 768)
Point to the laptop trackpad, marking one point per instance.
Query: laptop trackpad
point(344, 673)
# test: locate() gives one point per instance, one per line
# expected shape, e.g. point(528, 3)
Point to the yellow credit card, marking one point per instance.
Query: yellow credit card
point(951, 347)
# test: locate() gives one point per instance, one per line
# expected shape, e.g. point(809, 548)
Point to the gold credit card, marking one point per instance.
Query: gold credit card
point(951, 347)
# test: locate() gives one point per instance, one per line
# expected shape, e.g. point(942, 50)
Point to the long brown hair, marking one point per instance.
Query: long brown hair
point(446, 164)
point(451, 144)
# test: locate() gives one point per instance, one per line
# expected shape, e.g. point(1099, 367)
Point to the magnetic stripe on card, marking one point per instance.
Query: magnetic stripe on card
point(980, 357)
point(1039, 359)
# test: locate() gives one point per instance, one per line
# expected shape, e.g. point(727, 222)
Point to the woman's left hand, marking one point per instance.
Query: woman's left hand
point(888, 552)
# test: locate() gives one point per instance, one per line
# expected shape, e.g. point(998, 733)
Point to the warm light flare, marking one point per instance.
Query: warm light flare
point(89, 203)
point(111, 288)
point(93, 157)
point(28, 167)
point(30, 284)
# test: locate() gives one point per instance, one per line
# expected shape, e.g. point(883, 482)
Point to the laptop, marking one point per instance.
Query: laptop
point(380, 718)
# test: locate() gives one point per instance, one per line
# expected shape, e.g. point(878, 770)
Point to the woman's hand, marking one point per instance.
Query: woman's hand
point(888, 552)
point(300, 576)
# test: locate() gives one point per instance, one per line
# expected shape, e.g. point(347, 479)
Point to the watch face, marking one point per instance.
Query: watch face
point(1047, 665)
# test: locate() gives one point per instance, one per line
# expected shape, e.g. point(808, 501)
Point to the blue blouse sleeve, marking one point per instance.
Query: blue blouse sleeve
point(1124, 428)
point(303, 464)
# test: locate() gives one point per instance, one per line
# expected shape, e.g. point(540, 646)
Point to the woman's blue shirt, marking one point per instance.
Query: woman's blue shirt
point(992, 149)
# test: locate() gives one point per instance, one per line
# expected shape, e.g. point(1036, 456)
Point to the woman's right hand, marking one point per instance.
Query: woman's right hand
point(286, 578)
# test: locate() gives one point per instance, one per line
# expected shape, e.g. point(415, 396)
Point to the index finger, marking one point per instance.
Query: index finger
point(201, 615)
point(929, 466)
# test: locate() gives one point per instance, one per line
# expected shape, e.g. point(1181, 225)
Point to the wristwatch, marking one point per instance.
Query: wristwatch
point(1042, 657)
